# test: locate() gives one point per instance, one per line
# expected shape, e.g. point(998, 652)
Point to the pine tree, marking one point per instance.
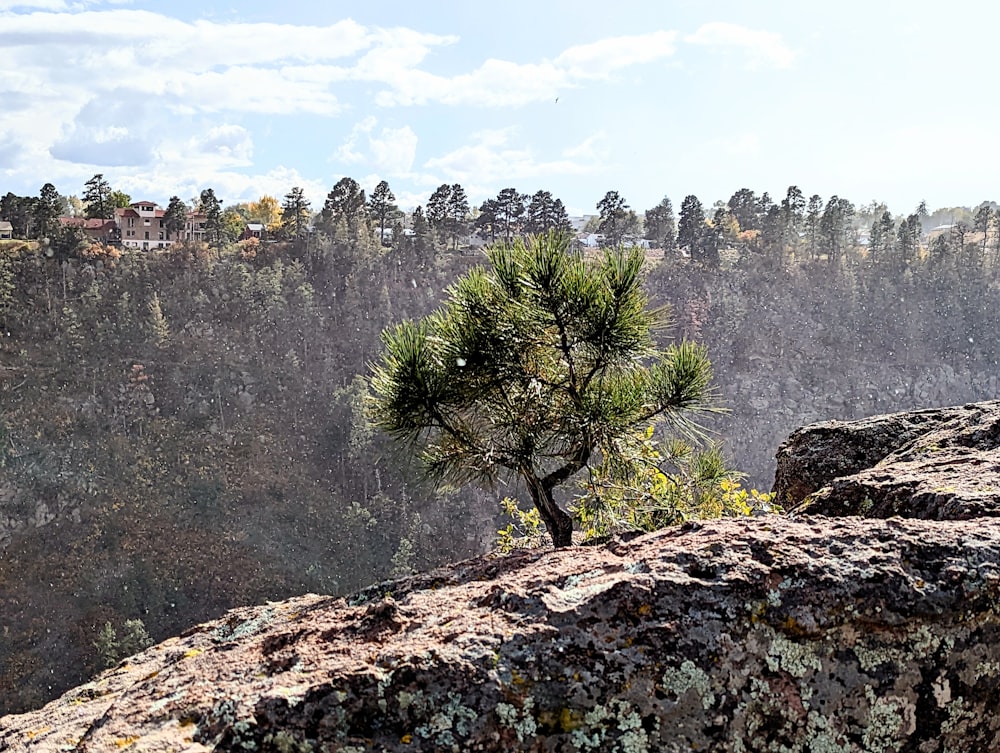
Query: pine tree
point(175, 218)
point(691, 228)
point(97, 198)
point(532, 367)
point(545, 213)
point(382, 207)
point(295, 213)
point(661, 227)
point(158, 327)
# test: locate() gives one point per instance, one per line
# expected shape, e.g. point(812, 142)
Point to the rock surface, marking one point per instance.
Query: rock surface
point(939, 464)
point(758, 634)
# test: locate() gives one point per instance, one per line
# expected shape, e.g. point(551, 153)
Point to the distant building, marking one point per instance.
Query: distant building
point(141, 226)
point(253, 230)
point(98, 230)
point(6, 230)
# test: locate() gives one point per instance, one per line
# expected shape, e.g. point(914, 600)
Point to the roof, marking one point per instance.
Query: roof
point(4, 225)
point(254, 226)
point(92, 223)
point(129, 212)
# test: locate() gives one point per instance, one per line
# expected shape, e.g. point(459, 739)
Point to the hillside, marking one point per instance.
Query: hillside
point(778, 632)
point(184, 433)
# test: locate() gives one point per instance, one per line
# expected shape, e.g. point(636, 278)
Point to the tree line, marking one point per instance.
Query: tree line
point(777, 232)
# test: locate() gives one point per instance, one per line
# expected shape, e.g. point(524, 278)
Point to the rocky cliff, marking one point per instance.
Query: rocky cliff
point(938, 464)
point(775, 633)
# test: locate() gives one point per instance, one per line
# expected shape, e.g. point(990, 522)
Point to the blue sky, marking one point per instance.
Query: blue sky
point(881, 100)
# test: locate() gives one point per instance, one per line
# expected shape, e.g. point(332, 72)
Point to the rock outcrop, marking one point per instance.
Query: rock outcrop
point(759, 634)
point(939, 464)
point(775, 633)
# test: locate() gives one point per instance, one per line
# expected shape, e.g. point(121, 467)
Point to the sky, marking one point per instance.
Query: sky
point(875, 100)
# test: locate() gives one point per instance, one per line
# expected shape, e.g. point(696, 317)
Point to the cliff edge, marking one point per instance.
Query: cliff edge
point(773, 633)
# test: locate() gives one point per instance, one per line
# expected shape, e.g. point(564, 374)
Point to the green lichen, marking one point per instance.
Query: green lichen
point(520, 720)
point(687, 677)
point(618, 716)
point(233, 630)
point(987, 669)
point(453, 718)
point(285, 742)
point(889, 721)
point(794, 658)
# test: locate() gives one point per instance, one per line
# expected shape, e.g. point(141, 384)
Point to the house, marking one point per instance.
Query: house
point(253, 230)
point(6, 230)
point(194, 227)
point(141, 226)
point(98, 230)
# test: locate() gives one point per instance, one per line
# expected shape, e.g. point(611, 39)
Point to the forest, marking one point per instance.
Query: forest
point(184, 430)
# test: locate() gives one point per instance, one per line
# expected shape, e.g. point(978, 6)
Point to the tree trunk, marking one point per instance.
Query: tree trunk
point(557, 521)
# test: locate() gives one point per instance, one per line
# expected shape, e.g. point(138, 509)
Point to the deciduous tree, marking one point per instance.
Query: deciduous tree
point(266, 210)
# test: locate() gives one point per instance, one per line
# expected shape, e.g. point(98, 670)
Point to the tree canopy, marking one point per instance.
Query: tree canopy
point(534, 365)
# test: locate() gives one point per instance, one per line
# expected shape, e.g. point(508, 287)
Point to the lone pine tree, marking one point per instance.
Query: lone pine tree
point(533, 366)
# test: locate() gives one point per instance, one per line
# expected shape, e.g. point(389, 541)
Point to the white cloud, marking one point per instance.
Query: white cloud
point(232, 187)
point(496, 83)
point(43, 4)
point(104, 132)
point(740, 145)
point(591, 149)
point(229, 143)
point(394, 150)
point(502, 83)
point(600, 59)
point(762, 48)
point(491, 160)
point(390, 151)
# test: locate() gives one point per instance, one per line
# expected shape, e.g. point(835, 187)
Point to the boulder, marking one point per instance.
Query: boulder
point(940, 464)
point(758, 634)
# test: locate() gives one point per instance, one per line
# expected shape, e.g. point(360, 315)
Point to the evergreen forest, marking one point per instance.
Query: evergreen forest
point(185, 430)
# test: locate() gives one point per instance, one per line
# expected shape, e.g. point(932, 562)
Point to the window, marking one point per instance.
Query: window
point(147, 235)
point(161, 235)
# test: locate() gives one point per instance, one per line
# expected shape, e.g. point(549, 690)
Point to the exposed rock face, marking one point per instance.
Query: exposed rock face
point(941, 464)
point(761, 634)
